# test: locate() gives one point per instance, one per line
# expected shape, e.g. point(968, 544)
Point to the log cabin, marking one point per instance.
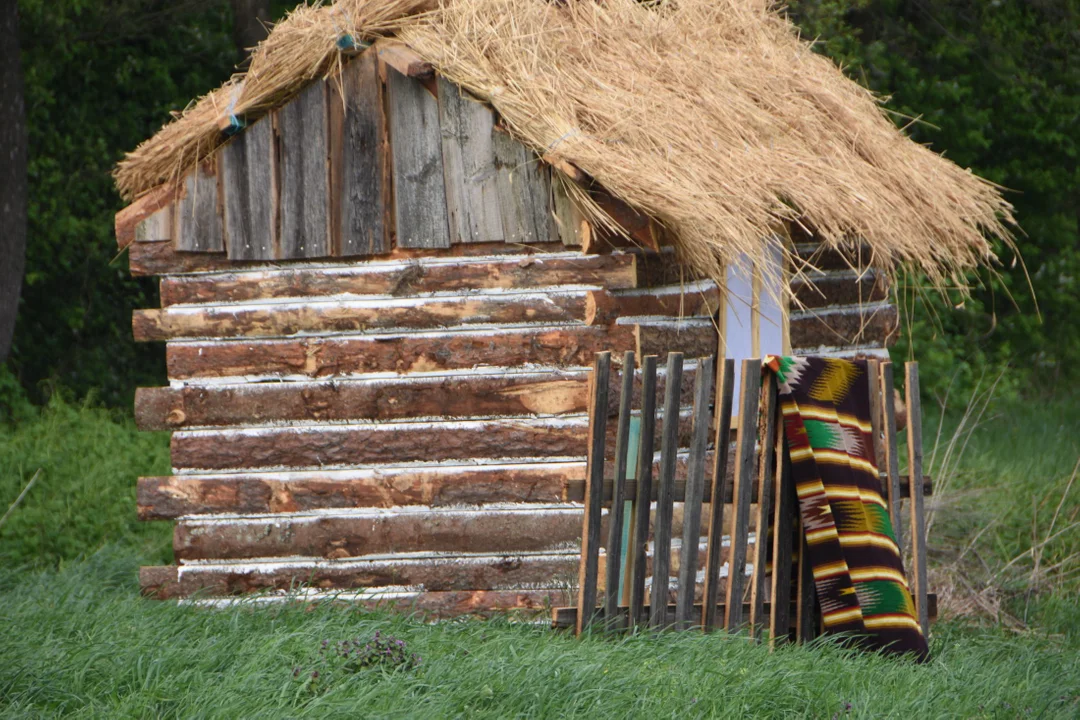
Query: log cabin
point(388, 254)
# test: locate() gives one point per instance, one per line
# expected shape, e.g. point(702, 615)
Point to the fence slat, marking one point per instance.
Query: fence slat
point(695, 486)
point(745, 456)
point(643, 499)
point(783, 539)
point(612, 589)
point(668, 448)
point(722, 443)
point(915, 469)
point(892, 455)
point(590, 537)
point(766, 473)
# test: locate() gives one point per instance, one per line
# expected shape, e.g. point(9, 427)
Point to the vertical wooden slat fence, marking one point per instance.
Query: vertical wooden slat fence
point(780, 601)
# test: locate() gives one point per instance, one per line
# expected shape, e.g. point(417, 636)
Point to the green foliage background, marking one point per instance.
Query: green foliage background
point(996, 85)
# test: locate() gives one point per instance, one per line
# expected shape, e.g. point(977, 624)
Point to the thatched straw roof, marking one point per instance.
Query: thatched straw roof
point(712, 116)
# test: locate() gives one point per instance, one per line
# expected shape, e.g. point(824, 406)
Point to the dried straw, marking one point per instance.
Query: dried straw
point(712, 116)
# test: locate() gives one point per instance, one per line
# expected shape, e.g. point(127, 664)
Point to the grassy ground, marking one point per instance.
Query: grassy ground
point(79, 640)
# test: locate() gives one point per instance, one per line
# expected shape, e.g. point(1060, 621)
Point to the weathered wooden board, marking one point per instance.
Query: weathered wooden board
point(665, 481)
point(605, 307)
point(416, 149)
point(283, 492)
point(162, 258)
point(524, 184)
point(409, 278)
point(745, 472)
point(157, 227)
point(693, 493)
point(639, 230)
point(844, 287)
point(198, 223)
point(356, 316)
point(568, 218)
point(917, 514)
point(433, 573)
point(590, 532)
point(248, 167)
point(472, 180)
point(719, 483)
point(303, 133)
point(434, 352)
point(359, 161)
point(873, 325)
point(531, 528)
point(150, 203)
point(766, 477)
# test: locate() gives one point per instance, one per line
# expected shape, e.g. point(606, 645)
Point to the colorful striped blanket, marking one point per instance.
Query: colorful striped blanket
point(858, 572)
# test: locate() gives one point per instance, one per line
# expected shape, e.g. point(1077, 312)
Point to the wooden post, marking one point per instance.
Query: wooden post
point(669, 446)
point(915, 488)
point(892, 455)
point(766, 479)
point(722, 445)
point(745, 455)
point(873, 379)
point(594, 490)
point(615, 514)
point(783, 544)
point(695, 486)
point(643, 500)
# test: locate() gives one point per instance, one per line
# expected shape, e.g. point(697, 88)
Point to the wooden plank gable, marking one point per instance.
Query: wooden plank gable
point(359, 161)
point(302, 133)
point(249, 184)
point(197, 220)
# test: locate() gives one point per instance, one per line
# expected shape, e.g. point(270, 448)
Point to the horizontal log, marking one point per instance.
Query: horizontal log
point(357, 316)
point(869, 325)
point(432, 573)
point(554, 392)
point(816, 256)
point(603, 307)
point(344, 446)
point(429, 352)
point(614, 272)
point(386, 443)
point(484, 395)
point(287, 492)
point(526, 528)
point(694, 338)
point(566, 617)
point(128, 220)
point(839, 288)
point(656, 270)
point(164, 259)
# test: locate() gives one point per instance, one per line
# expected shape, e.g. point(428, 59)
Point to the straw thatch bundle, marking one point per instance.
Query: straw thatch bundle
point(712, 116)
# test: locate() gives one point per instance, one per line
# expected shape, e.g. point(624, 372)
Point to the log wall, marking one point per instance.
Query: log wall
point(378, 317)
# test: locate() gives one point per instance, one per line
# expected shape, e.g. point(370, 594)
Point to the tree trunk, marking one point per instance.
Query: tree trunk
point(249, 25)
point(13, 194)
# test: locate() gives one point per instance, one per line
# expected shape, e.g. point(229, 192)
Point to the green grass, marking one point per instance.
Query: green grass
point(88, 646)
point(78, 640)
